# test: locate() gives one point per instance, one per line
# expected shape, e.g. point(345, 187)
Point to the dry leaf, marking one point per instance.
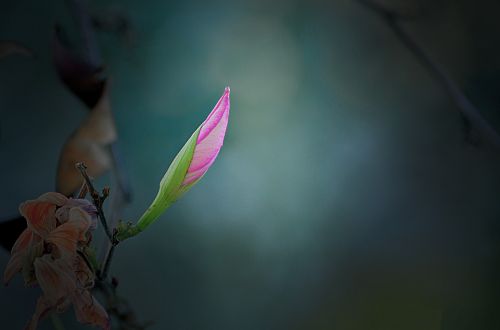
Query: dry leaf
point(88, 144)
point(8, 47)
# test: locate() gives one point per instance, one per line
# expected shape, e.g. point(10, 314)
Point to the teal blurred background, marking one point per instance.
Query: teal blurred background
point(345, 196)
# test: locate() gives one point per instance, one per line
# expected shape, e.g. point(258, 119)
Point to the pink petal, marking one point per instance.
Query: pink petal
point(215, 116)
point(195, 175)
point(210, 139)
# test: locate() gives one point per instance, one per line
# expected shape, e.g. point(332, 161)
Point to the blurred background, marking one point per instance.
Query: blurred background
point(348, 194)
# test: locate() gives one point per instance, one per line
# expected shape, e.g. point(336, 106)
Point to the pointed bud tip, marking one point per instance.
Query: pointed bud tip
point(227, 90)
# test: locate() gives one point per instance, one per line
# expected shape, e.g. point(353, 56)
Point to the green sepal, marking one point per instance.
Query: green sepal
point(125, 230)
point(171, 184)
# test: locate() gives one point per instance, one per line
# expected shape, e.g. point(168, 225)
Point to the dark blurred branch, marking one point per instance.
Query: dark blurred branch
point(120, 173)
point(123, 192)
point(118, 307)
point(84, 21)
point(82, 76)
point(469, 112)
point(94, 59)
point(117, 23)
point(10, 231)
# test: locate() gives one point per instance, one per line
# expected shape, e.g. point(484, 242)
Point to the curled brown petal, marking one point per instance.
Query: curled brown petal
point(54, 198)
point(43, 307)
point(56, 278)
point(89, 311)
point(39, 215)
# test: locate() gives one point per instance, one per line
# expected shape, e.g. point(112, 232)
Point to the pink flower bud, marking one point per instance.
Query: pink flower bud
point(209, 140)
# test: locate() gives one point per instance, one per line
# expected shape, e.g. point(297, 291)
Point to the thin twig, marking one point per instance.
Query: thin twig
point(97, 199)
point(107, 261)
point(83, 190)
point(467, 109)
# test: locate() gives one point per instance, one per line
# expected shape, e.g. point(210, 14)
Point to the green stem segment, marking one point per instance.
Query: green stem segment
point(171, 188)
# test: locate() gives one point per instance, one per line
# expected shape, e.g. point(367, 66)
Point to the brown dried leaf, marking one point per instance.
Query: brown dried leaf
point(8, 47)
point(88, 144)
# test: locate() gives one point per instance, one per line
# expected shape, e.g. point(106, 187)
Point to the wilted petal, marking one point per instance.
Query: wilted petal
point(43, 306)
point(13, 267)
point(89, 311)
point(67, 235)
point(53, 198)
point(56, 278)
point(210, 139)
point(84, 275)
point(63, 305)
point(34, 251)
point(18, 252)
point(79, 219)
point(62, 213)
point(40, 216)
point(22, 241)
